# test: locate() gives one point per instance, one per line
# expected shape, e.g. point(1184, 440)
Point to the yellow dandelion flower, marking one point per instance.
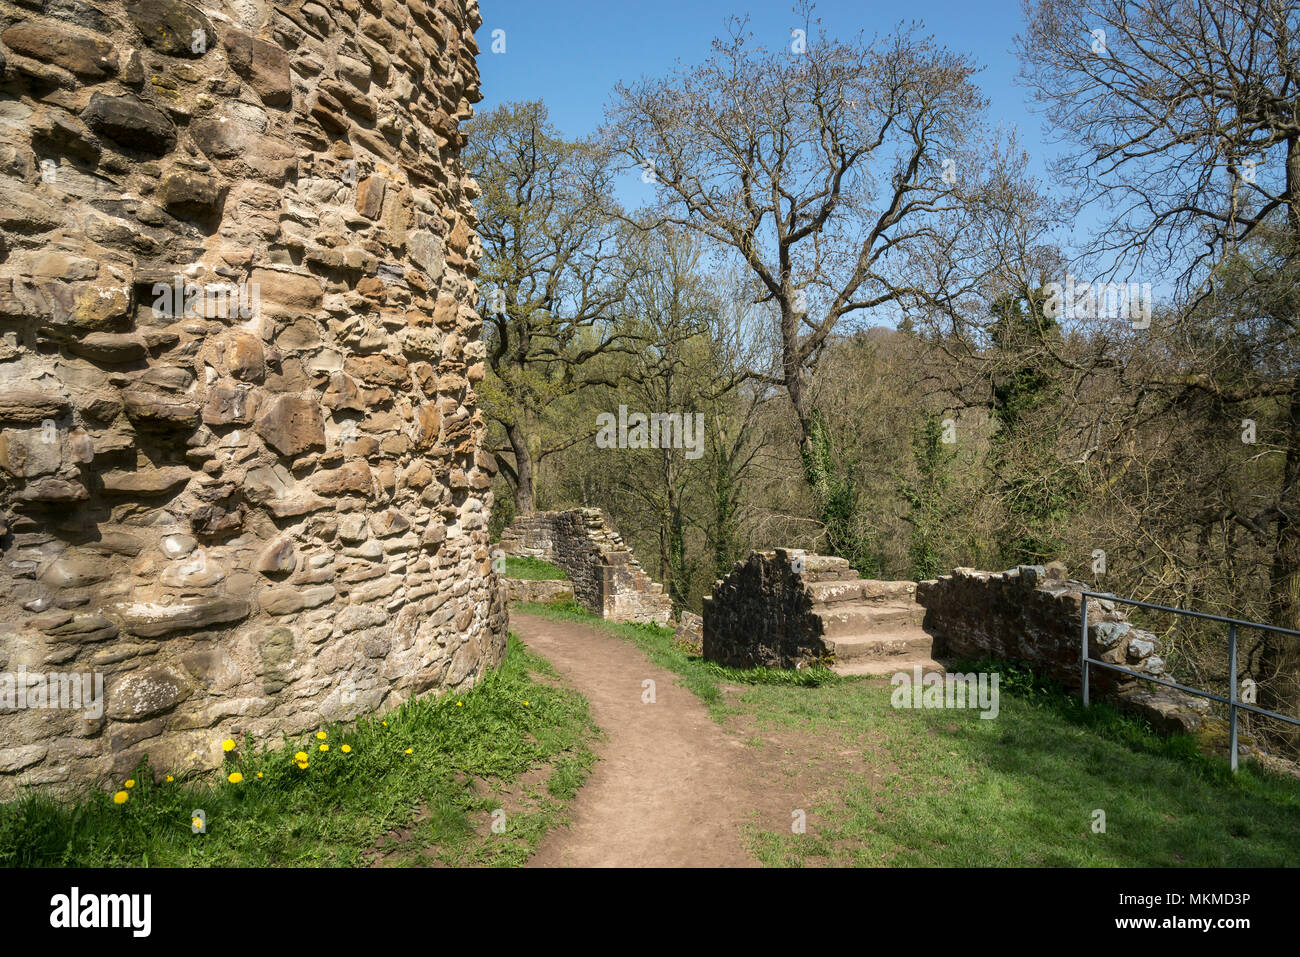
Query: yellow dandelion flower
point(196, 823)
point(324, 747)
point(385, 724)
point(300, 756)
point(170, 779)
point(259, 774)
point(235, 777)
point(525, 704)
point(459, 703)
point(120, 797)
point(302, 764)
point(409, 750)
point(346, 749)
point(321, 735)
point(228, 744)
point(131, 783)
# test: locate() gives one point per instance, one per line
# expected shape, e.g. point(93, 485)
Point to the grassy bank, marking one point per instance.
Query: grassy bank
point(422, 781)
point(533, 569)
point(949, 788)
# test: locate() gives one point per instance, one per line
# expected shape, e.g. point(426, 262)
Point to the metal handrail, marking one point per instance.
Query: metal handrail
point(1232, 701)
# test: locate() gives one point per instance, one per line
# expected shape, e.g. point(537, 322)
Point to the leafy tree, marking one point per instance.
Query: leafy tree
point(932, 500)
point(551, 281)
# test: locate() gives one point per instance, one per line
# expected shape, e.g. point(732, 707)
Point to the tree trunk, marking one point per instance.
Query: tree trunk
point(724, 511)
point(792, 374)
point(677, 553)
point(523, 468)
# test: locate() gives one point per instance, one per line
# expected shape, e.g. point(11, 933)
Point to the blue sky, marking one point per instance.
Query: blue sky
point(571, 53)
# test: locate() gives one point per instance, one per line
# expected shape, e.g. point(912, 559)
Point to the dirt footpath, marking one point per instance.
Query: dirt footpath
point(671, 788)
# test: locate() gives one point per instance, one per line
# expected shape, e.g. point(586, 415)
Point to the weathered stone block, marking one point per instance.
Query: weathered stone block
point(189, 193)
point(143, 694)
point(153, 620)
point(131, 123)
point(172, 27)
point(291, 424)
point(263, 64)
point(77, 51)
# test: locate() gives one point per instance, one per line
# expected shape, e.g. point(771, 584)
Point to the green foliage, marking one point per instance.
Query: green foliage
point(334, 811)
point(932, 500)
point(835, 489)
point(726, 503)
point(1038, 490)
point(503, 514)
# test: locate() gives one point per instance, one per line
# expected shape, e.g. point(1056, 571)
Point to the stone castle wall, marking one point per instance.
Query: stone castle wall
point(607, 579)
point(1027, 614)
point(241, 467)
point(760, 615)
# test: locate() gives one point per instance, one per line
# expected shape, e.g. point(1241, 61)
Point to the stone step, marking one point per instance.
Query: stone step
point(830, 575)
point(894, 645)
point(850, 618)
point(860, 589)
point(875, 590)
point(834, 590)
point(824, 568)
point(888, 666)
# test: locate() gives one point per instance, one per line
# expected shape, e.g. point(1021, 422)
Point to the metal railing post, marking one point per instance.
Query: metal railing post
point(1232, 694)
point(1083, 658)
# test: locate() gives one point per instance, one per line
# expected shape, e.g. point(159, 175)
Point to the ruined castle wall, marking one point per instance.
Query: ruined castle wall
point(607, 579)
point(241, 467)
point(760, 616)
point(1024, 615)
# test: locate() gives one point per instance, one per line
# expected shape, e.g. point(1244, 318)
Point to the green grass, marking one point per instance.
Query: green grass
point(471, 753)
point(533, 569)
point(948, 788)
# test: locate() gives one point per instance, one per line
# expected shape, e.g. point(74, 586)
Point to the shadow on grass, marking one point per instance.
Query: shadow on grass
point(1045, 783)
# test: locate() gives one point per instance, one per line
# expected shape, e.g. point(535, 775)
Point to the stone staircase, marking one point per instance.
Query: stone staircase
point(790, 609)
point(870, 627)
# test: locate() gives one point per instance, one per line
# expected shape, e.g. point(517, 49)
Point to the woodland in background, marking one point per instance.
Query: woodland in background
point(847, 273)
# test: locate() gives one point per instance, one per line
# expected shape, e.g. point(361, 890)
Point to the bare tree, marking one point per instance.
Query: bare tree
point(824, 165)
point(1181, 118)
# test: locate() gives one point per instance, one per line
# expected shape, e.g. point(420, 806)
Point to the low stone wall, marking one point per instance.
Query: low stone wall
point(1024, 615)
point(1027, 614)
point(537, 592)
point(606, 578)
